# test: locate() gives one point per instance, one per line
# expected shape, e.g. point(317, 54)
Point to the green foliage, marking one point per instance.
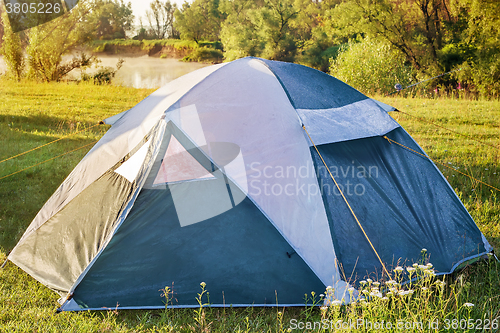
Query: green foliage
point(262, 29)
point(205, 54)
point(414, 27)
point(200, 20)
point(481, 72)
point(371, 66)
point(12, 50)
point(48, 43)
point(318, 52)
point(238, 34)
point(104, 75)
point(113, 19)
point(1, 26)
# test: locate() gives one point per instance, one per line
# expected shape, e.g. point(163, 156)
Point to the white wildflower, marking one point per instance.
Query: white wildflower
point(469, 305)
point(336, 302)
point(422, 266)
point(362, 282)
point(410, 269)
point(429, 265)
point(405, 292)
point(369, 280)
point(376, 284)
point(203, 284)
point(350, 289)
point(398, 269)
point(430, 272)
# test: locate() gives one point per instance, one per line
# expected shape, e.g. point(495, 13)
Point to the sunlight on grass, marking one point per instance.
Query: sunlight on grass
point(35, 114)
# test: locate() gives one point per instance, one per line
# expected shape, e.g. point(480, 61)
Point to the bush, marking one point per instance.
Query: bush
point(371, 66)
point(104, 75)
point(205, 54)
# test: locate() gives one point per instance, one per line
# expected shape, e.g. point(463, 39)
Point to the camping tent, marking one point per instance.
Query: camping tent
point(227, 176)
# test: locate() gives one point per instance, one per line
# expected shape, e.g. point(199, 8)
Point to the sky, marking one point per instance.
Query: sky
point(139, 8)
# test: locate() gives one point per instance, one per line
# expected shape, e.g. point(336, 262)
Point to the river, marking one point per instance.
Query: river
point(141, 72)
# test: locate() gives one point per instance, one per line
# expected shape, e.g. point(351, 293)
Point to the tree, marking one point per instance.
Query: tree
point(161, 18)
point(12, 50)
point(114, 19)
point(49, 42)
point(265, 28)
point(1, 26)
point(372, 66)
point(481, 70)
point(200, 20)
point(415, 27)
point(239, 34)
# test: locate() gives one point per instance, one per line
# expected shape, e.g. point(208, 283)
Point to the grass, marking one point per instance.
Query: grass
point(34, 114)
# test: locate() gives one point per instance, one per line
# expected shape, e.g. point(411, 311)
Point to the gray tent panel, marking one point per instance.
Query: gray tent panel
point(60, 250)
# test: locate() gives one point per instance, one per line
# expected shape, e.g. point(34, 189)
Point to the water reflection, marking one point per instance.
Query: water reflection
point(141, 72)
point(146, 72)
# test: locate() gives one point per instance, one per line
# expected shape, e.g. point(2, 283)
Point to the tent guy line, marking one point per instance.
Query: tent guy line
point(48, 143)
point(416, 84)
point(50, 159)
point(453, 131)
point(449, 167)
point(348, 205)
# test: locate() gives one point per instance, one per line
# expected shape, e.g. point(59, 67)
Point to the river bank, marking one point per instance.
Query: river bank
point(189, 51)
point(137, 71)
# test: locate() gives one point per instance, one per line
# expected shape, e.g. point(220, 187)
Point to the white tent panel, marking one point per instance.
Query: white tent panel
point(293, 204)
point(130, 169)
point(354, 121)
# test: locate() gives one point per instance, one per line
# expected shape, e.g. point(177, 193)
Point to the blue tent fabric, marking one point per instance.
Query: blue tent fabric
point(238, 254)
point(308, 88)
point(402, 201)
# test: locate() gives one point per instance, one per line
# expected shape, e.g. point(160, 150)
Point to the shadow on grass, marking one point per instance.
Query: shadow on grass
point(24, 193)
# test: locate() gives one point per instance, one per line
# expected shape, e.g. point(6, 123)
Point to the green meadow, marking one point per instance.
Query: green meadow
point(34, 114)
